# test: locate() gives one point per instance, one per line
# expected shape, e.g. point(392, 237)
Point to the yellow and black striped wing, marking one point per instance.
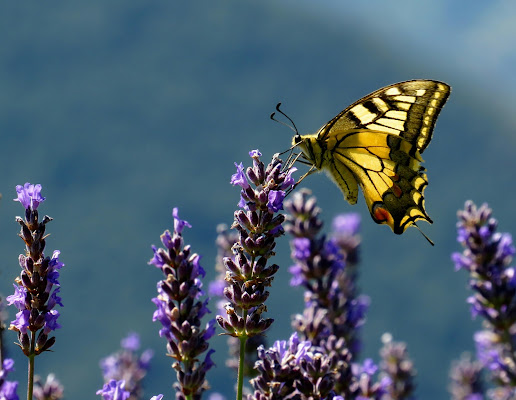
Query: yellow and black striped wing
point(407, 109)
point(391, 179)
point(376, 143)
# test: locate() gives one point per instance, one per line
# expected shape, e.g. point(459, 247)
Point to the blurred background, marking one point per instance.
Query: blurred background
point(125, 109)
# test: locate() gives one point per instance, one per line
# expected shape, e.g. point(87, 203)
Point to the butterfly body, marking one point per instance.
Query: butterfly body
point(376, 144)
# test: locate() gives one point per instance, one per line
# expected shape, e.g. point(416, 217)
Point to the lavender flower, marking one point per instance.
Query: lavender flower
point(50, 390)
point(466, 379)
point(226, 238)
point(37, 287)
point(263, 190)
point(334, 311)
point(486, 256)
point(292, 369)
point(114, 390)
point(247, 272)
point(7, 388)
point(397, 367)
point(180, 309)
point(127, 365)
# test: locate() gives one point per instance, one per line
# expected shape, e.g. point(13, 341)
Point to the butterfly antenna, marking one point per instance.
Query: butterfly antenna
point(293, 127)
point(426, 237)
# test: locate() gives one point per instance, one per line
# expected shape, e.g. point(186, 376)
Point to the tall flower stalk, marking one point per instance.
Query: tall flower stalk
point(397, 369)
point(37, 287)
point(326, 268)
point(263, 189)
point(487, 256)
point(226, 238)
point(180, 308)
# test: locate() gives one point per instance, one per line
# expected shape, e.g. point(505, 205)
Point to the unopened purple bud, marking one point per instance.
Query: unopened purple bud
point(259, 266)
point(46, 346)
point(242, 219)
point(252, 176)
point(230, 264)
point(262, 197)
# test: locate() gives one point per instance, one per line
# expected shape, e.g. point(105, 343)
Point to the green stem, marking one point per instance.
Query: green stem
point(30, 385)
point(240, 383)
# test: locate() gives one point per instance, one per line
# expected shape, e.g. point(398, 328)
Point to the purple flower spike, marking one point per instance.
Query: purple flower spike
point(397, 368)
point(334, 311)
point(486, 256)
point(29, 195)
point(37, 287)
point(179, 309)
point(247, 272)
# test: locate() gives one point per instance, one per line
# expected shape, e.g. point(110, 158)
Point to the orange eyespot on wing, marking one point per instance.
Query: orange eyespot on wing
point(380, 214)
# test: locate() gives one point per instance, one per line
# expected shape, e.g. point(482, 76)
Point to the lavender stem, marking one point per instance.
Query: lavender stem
point(32, 355)
point(241, 360)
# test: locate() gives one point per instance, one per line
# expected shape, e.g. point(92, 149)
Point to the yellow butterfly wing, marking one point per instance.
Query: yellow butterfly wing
point(376, 143)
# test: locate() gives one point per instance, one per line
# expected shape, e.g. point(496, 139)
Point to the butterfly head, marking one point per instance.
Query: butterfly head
point(296, 140)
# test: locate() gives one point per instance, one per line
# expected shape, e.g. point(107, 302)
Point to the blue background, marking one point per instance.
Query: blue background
point(124, 109)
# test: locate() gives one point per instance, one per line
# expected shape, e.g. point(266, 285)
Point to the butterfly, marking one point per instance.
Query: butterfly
point(376, 143)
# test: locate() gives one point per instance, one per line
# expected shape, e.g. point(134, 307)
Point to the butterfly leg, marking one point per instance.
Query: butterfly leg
point(310, 171)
